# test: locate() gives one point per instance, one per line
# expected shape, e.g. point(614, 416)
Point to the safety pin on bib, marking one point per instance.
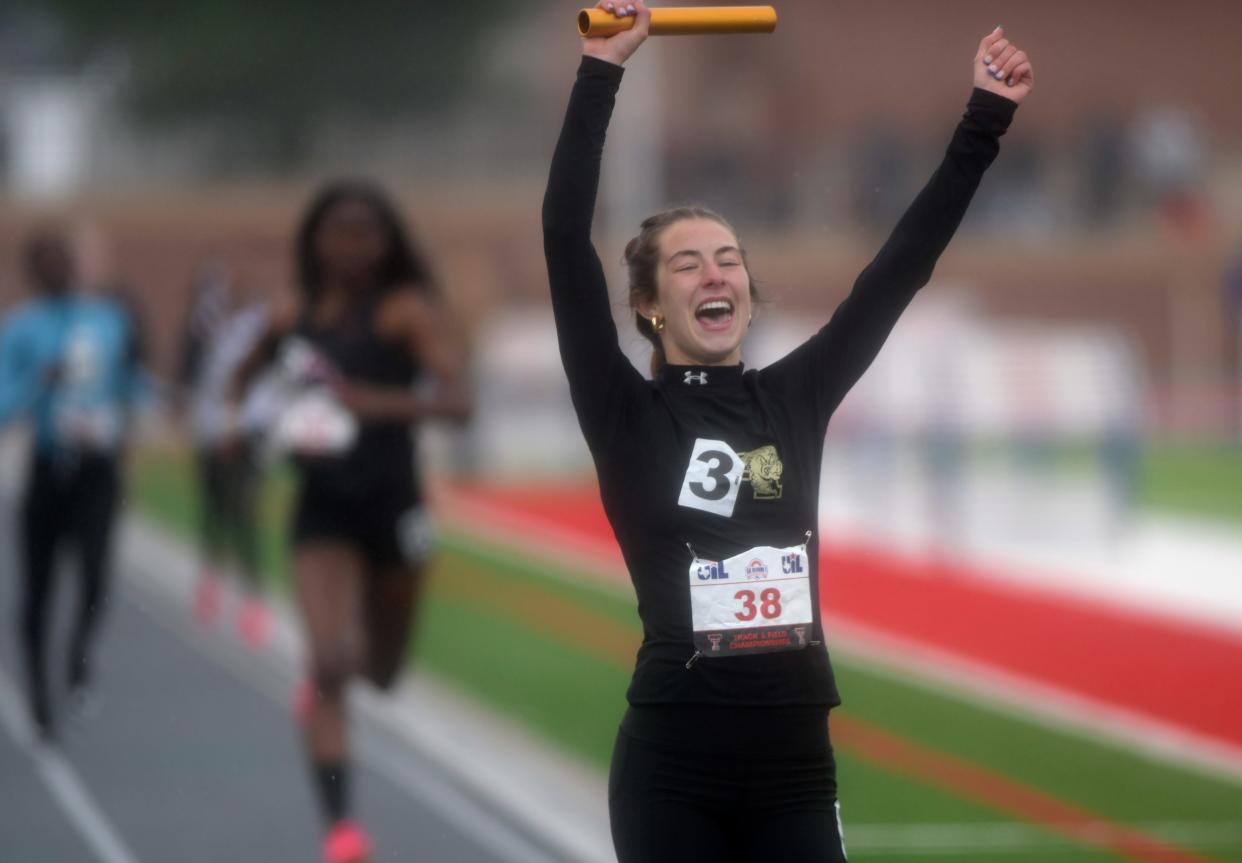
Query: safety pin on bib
point(697, 653)
point(814, 643)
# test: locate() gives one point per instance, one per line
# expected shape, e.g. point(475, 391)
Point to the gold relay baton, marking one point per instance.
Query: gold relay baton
point(683, 21)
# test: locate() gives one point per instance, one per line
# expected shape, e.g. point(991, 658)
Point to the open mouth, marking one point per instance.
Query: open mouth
point(715, 315)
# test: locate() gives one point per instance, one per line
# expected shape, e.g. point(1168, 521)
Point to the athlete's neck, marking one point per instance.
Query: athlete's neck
point(674, 356)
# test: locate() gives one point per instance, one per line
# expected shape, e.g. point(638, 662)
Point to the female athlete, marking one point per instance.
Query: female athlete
point(709, 475)
point(369, 322)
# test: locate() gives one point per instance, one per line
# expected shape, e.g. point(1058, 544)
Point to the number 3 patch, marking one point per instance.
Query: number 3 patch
point(713, 478)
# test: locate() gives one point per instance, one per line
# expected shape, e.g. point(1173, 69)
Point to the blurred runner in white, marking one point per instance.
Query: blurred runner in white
point(221, 329)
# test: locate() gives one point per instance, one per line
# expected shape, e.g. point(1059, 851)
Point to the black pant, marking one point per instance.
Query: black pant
point(229, 481)
point(69, 498)
point(718, 785)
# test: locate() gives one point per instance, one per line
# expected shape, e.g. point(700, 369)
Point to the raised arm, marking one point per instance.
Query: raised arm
point(601, 379)
point(841, 352)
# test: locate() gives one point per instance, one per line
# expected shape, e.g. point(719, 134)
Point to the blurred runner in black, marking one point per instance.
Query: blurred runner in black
point(221, 329)
point(69, 362)
point(709, 475)
point(368, 323)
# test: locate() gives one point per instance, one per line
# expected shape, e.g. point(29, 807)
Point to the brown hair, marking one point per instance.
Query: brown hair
point(642, 258)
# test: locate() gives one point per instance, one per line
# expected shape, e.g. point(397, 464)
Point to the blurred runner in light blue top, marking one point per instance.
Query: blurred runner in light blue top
point(69, 364)
point(68, 361)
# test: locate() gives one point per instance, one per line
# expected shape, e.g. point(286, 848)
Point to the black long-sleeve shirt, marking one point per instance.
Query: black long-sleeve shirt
point(646, 436)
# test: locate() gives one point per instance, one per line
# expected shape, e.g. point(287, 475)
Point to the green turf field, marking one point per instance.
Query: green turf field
point(553, 649)
point(1201, 480)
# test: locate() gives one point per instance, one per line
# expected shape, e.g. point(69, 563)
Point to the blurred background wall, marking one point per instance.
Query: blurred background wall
point(198, 129)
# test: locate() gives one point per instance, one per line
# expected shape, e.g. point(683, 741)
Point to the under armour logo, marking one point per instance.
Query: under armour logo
point(696, 378)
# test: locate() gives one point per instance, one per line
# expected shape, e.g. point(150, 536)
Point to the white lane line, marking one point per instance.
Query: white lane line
point(449, 803)
point(512, 786)
point(1012, 837)
point(66, 787)
point(522, 780)
point(261, 674)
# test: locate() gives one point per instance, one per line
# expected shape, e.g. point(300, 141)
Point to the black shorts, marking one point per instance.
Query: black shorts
point(724, 784)
point(391, 529)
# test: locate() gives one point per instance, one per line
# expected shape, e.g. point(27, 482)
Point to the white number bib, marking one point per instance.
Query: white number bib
point(314, 424)
point(755, 602)
point(712, 478)
point(89, 426)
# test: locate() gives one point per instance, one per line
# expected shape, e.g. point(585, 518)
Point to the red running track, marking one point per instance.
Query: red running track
point(1163, 668)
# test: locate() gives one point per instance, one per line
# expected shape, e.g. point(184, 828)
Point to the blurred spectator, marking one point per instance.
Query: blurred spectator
point(1103, 171)
point(1170, 156)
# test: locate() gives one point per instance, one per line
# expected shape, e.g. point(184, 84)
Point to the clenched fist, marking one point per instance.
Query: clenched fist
point(1002, 68)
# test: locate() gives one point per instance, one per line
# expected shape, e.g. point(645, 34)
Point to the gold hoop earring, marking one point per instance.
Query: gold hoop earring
point(657, 323)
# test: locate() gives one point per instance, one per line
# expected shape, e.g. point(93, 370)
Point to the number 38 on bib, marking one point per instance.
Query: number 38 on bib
point(755, 602)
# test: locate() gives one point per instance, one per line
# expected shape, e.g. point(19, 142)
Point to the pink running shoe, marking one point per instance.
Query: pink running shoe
point(346, 843)
point(254, 623)
point(208, 595)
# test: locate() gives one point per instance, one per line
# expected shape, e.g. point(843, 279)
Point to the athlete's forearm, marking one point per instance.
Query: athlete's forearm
point(18, 393)
point(579, 290)
point(593, 361)
point(453, 401)
point(569, 201)
point(397, 404)
point(17, 397)
point(261, 355)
